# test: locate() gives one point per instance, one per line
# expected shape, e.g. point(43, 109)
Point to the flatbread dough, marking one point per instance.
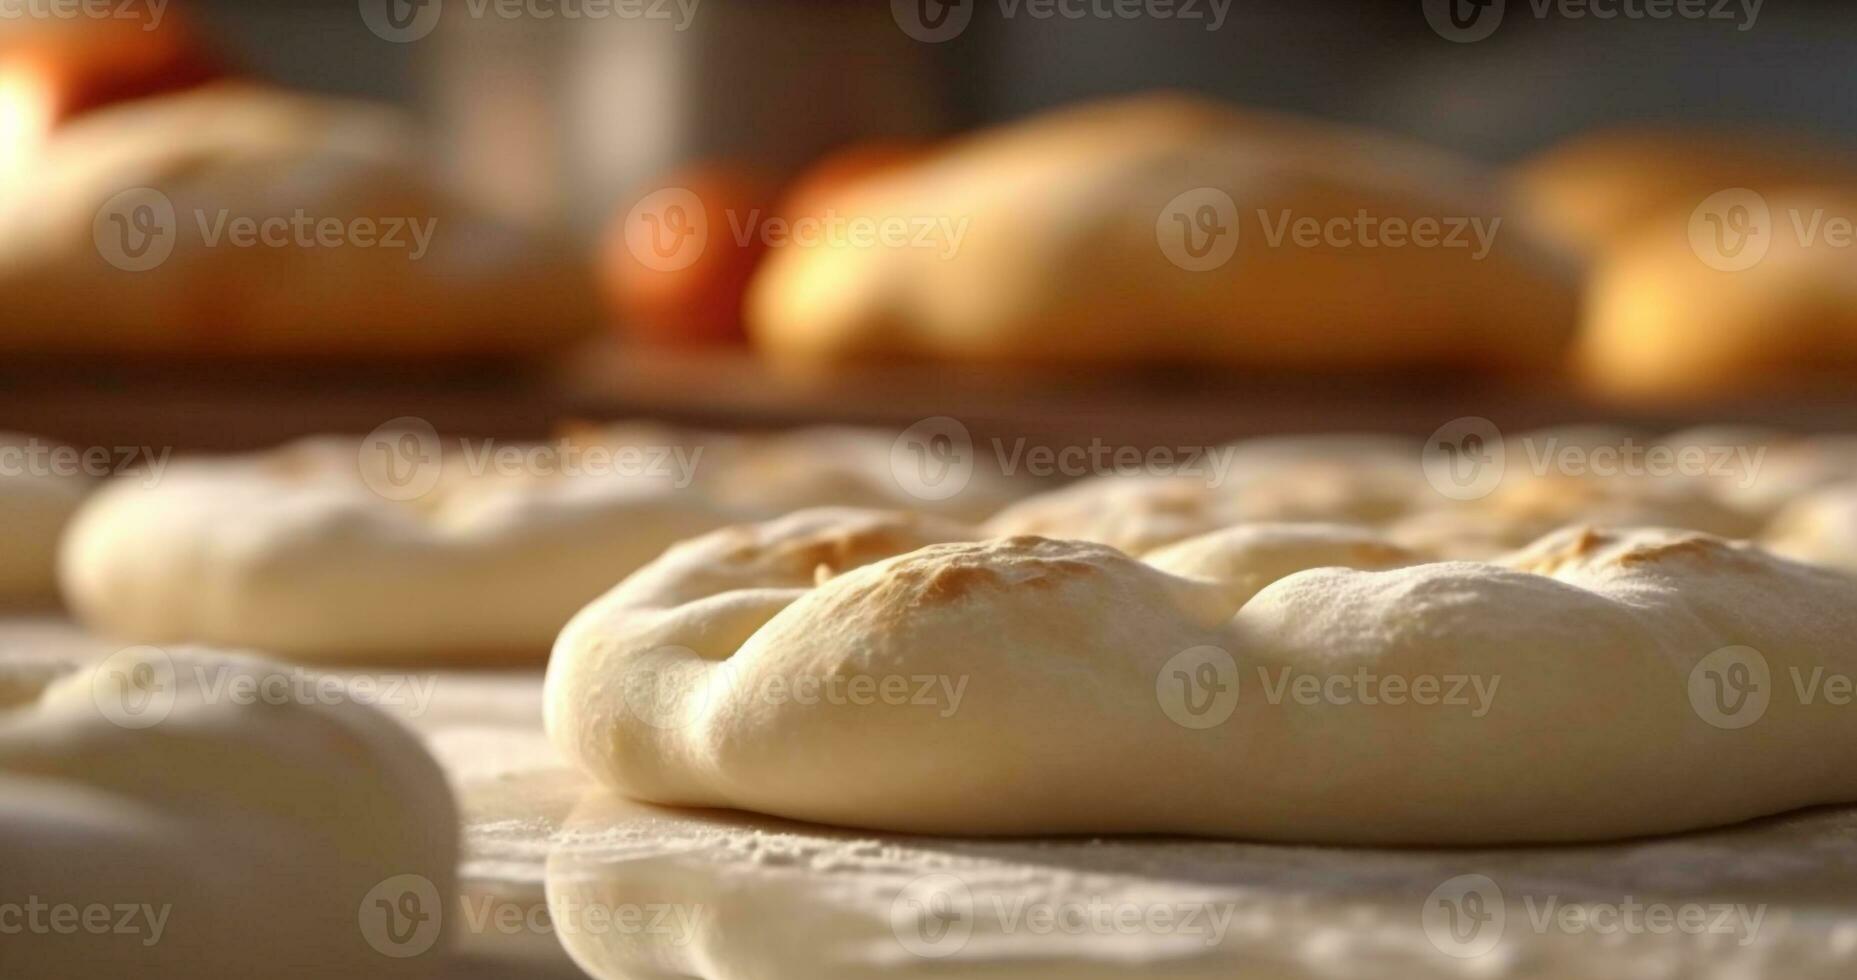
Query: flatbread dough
point(1599, 684)
point(115, 792)
point(342, 550)
point(1359, 479)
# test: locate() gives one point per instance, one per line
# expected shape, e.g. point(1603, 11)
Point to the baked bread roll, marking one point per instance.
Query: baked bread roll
point(1689, 307)
point(1594, 188)
point(234, 219)
point(1159, 228)
point(1024, 686)
point(227, 835)
point(36, 499)
point(338, 549)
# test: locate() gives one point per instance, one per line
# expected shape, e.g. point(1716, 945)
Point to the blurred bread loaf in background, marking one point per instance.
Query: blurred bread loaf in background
point(1163, 228)
point(1720, 259)
point(236, 218)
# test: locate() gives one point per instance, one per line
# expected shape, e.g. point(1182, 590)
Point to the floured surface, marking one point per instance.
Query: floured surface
point(725, 896)
point(749, 897)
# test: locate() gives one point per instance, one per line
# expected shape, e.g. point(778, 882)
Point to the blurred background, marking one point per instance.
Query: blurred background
point(560, 116)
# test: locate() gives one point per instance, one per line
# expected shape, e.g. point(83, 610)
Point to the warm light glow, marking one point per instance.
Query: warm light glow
point(26, 108)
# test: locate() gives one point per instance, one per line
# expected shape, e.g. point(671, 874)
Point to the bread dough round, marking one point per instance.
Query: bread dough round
point(1759, 471)
point(115, 791)
point(35, 503)
point(1525, 506)
point(305, 551)
point(1047, 241)
point(1819, 527)
point(1246, 558)
point(1343, 478)
point(1060, 687)
point(84, 230)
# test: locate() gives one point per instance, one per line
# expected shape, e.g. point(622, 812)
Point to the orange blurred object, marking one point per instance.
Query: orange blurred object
point(676, 266)
point(89, 63)
point(810, 193)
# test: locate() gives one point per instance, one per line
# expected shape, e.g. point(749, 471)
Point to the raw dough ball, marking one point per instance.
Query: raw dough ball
point(1049, 241)
point(311, 551)
point(34, 506)
point(180, 170)
point(254, 829)
point(1053, 687)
